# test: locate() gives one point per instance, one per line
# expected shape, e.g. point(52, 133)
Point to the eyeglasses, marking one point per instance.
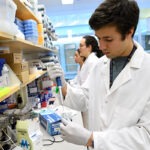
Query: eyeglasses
point(82, 45)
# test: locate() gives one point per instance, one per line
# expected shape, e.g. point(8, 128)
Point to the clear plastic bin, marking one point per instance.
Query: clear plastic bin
point(33, 39)
point(31, 33)
point(8, 27)
point(7, 10)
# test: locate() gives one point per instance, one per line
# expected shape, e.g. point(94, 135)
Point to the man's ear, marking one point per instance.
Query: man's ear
point(131, 31)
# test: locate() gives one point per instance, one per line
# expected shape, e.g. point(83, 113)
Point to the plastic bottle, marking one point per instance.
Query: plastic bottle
point(4, 73)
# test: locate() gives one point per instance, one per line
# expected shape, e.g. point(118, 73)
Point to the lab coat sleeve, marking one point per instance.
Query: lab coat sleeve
point(136, 137)
point(76, 98)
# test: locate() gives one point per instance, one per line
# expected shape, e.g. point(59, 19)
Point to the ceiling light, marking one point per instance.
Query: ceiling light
point(67, 2)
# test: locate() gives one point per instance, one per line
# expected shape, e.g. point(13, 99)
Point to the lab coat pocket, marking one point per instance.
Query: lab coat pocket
point(124, 117)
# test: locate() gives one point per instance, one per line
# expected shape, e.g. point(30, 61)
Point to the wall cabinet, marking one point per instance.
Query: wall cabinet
point(25, 47)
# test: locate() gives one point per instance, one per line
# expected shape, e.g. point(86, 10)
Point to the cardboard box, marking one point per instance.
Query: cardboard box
point(24, 76)
point(20, 67)
point(12, 57)
point(50, 121)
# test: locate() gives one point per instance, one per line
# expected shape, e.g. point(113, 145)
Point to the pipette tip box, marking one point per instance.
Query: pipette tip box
point(50, 121)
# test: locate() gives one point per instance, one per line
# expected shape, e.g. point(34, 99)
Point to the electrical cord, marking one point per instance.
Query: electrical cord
point(4, 139)
point(1, 147)
point(9, 138)
point(52, 140)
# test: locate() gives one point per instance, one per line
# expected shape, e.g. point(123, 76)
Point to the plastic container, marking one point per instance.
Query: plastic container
point(33, 39)
point(2, 61)
point(40, 40)
point(19, 22)
point(8, 27)
point(3, 106)
point(21, 29)
point(30, 33)
point(20, 25)
point(29, 22)
point(4, 73)
point(30, 26)
point(40, 28)
point(7, 10)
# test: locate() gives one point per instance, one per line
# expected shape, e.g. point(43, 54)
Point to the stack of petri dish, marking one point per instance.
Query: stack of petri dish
point(30, 30)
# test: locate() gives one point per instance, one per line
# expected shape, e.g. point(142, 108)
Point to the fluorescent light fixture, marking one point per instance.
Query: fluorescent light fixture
point(67, 2)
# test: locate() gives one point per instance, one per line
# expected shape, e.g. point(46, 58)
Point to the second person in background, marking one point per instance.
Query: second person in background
point(78, 60)
point(89, 49)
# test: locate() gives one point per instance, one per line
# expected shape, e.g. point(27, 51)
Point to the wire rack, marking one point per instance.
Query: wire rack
point(4, 121)
point(6, 142)
point(29, 115)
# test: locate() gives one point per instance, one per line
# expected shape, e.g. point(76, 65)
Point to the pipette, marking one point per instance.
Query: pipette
point(59, 85)
point(58, 81)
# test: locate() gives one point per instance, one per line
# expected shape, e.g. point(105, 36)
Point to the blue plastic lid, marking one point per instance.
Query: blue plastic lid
point(18, 20)
point(20, 25)
point(30, 25)
point(31, 35)
point(21, 29)
point(2, 62)
point(30, 31)
point(29, 21)
point(48, 88)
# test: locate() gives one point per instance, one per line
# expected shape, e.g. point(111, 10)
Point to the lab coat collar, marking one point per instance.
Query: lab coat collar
point(125, 75)
point(138, 56)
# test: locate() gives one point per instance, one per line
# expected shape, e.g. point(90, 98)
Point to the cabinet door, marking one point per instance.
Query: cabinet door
point(70, 65)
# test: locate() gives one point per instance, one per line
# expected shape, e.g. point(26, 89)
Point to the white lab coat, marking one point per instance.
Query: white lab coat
point(75, 81)
point(83, 74)
point(120, 116)
point(87, 66)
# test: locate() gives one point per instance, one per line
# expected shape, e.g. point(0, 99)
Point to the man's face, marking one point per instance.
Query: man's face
point(111, 43)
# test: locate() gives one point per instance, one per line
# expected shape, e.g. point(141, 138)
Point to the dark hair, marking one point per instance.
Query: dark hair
point(78, 50)
point(91, 40)
point(124, 14)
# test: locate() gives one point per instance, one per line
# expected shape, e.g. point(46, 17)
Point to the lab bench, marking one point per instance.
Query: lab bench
point(61, 145)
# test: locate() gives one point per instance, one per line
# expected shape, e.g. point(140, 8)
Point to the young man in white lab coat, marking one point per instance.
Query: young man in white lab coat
point(117, 91)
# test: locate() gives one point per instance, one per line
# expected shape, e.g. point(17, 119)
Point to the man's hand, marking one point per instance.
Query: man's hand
point(74, 133)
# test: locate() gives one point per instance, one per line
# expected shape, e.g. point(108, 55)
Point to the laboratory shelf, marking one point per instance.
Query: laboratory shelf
point(4, 36)
point(19, 85)
point(23, 12)
point(14, 85)
point(32, 77)
point(12, 90)
point(52, 35)
point(15, 44)
point(12, 43)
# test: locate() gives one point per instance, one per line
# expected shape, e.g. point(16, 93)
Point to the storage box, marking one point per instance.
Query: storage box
point(24, 76)
point(12, 57)
point(7, 10)
point(50, 121)
point(29, 136)
point(20, 67)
